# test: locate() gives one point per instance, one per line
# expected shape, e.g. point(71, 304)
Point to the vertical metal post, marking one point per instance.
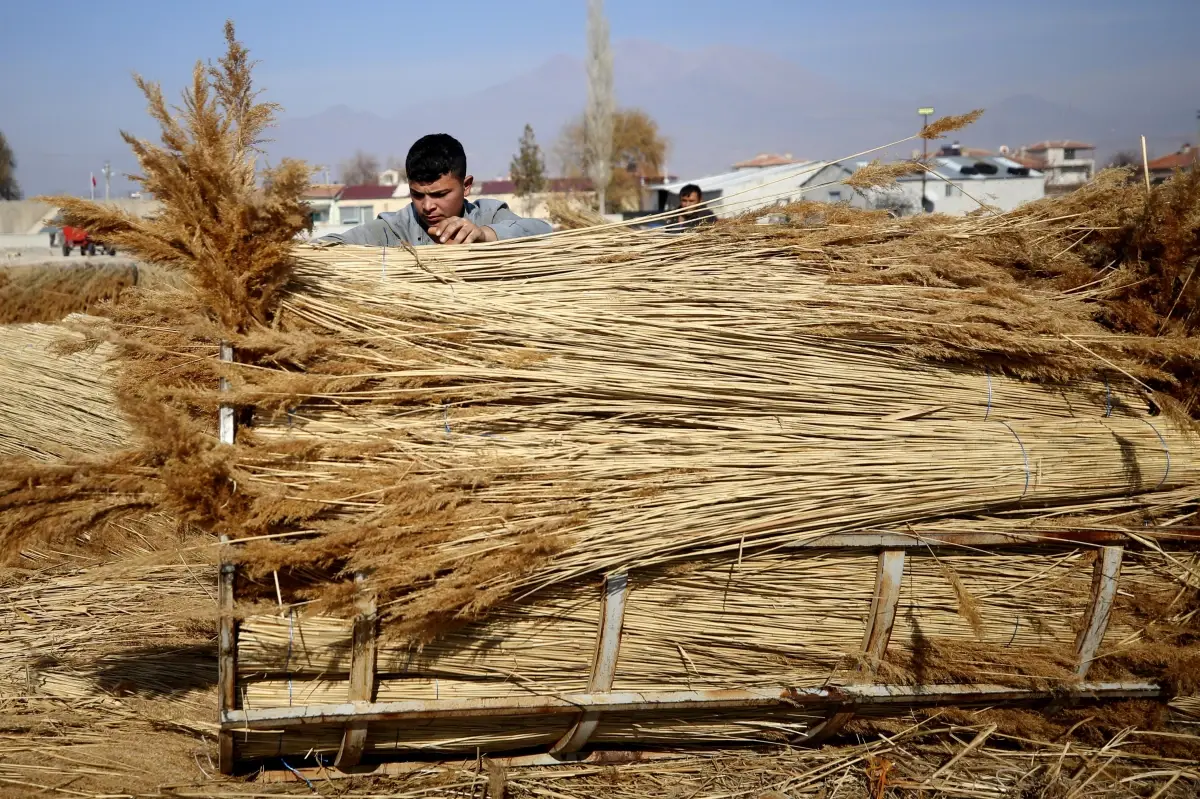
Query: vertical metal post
point(227, 633)
point(925, 113)
point(1105, 577)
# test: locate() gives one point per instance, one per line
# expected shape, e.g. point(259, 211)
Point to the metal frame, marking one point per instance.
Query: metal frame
point(873, 696)
point(841, 703)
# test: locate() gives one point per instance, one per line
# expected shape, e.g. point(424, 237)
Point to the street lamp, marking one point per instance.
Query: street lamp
point(925, 113)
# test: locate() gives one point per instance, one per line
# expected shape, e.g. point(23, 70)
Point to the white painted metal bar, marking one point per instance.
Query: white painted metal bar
point(1106, 576)
point(881, 696)
point(604, 661)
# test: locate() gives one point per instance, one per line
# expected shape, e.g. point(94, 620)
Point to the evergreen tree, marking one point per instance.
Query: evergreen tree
point(9, 188)
point(528, 168)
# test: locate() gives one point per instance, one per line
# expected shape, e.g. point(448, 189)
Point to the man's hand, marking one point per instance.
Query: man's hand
point(457, 230)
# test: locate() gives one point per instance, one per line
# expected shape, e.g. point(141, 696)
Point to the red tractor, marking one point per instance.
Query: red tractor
point(73, 237)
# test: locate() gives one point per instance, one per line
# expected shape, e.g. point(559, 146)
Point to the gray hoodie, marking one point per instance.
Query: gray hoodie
point(394, 227)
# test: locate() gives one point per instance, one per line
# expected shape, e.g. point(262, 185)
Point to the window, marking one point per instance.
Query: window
point(949, 189)
point(1069, 153)
point(357, 214)
point(835, 196)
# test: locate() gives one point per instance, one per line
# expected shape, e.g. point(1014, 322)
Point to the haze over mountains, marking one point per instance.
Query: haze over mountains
point(723, 104)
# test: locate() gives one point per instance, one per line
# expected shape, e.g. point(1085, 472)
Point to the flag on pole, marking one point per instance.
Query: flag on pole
point(93, 174)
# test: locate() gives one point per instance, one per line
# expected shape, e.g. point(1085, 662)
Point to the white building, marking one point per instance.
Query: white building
point(961, 184)
point(391, 177)
point(1067, 165)
point(762, 188)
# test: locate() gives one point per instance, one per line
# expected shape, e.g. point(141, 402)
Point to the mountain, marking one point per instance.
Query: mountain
point(716, 106)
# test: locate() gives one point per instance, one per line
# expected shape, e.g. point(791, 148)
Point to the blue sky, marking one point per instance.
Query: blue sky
point(66, 89)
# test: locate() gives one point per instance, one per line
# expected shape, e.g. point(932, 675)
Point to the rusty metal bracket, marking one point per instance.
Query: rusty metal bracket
point(604, 661)
point(1106, 575)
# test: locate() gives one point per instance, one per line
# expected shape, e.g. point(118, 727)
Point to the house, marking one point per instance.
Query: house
point(960, 184)
point(1163, 168)
point(762, 188)
point(391, 177)
point(359, 204)
point(1067, 165)
point(322, 201)
point(534, 205)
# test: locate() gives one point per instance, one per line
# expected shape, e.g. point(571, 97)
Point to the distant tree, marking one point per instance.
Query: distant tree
point(638, 150)
point(1125, 158)
point(361, 170)
point(598, 120)
point(9, 188)
point(528, 167)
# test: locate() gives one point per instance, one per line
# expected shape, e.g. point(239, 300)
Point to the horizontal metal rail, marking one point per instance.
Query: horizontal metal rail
point(880, 696)
point(974, 539)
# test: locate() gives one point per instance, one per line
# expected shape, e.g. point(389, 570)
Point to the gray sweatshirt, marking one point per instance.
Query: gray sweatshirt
point(391, 228)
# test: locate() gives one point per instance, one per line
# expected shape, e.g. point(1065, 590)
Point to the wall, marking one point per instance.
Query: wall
point(1003, 193)
point(534, 207)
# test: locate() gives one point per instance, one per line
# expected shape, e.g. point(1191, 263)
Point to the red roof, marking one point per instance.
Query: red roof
point(368, 192)
point(1180, 160)
point(323, 191)
point(1026, 161)
point(556, 185)
point(766, 159)
point(1065, 144)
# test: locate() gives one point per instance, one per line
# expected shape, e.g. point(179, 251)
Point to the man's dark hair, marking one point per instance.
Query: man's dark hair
point(690, 188)
point(433, 156)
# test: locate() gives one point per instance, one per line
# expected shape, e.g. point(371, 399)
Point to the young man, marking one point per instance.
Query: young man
point(690, 195)
point(440, 213)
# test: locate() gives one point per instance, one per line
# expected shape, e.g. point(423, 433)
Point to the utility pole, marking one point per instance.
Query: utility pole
point(107, 172)
point(925, 114)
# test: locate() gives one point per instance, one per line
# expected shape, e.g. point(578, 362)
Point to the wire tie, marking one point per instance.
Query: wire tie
point(383, 264)
point(1107, 397)
point(1024, 455)
point(988, 412)
point(1166, 451)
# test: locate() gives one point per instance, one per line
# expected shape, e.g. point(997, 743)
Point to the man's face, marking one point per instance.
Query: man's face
point(689, 199)
point(439, 200)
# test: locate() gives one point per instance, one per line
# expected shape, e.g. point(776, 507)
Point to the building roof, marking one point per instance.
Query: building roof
point(728, 182)
point(323, 191)
point(1064, 144)
point(969, 152)
point(368, 192)
point(1186, 157)
point(555, 185)
point(1029, 161)
point(765, 160)
point(992, 167)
